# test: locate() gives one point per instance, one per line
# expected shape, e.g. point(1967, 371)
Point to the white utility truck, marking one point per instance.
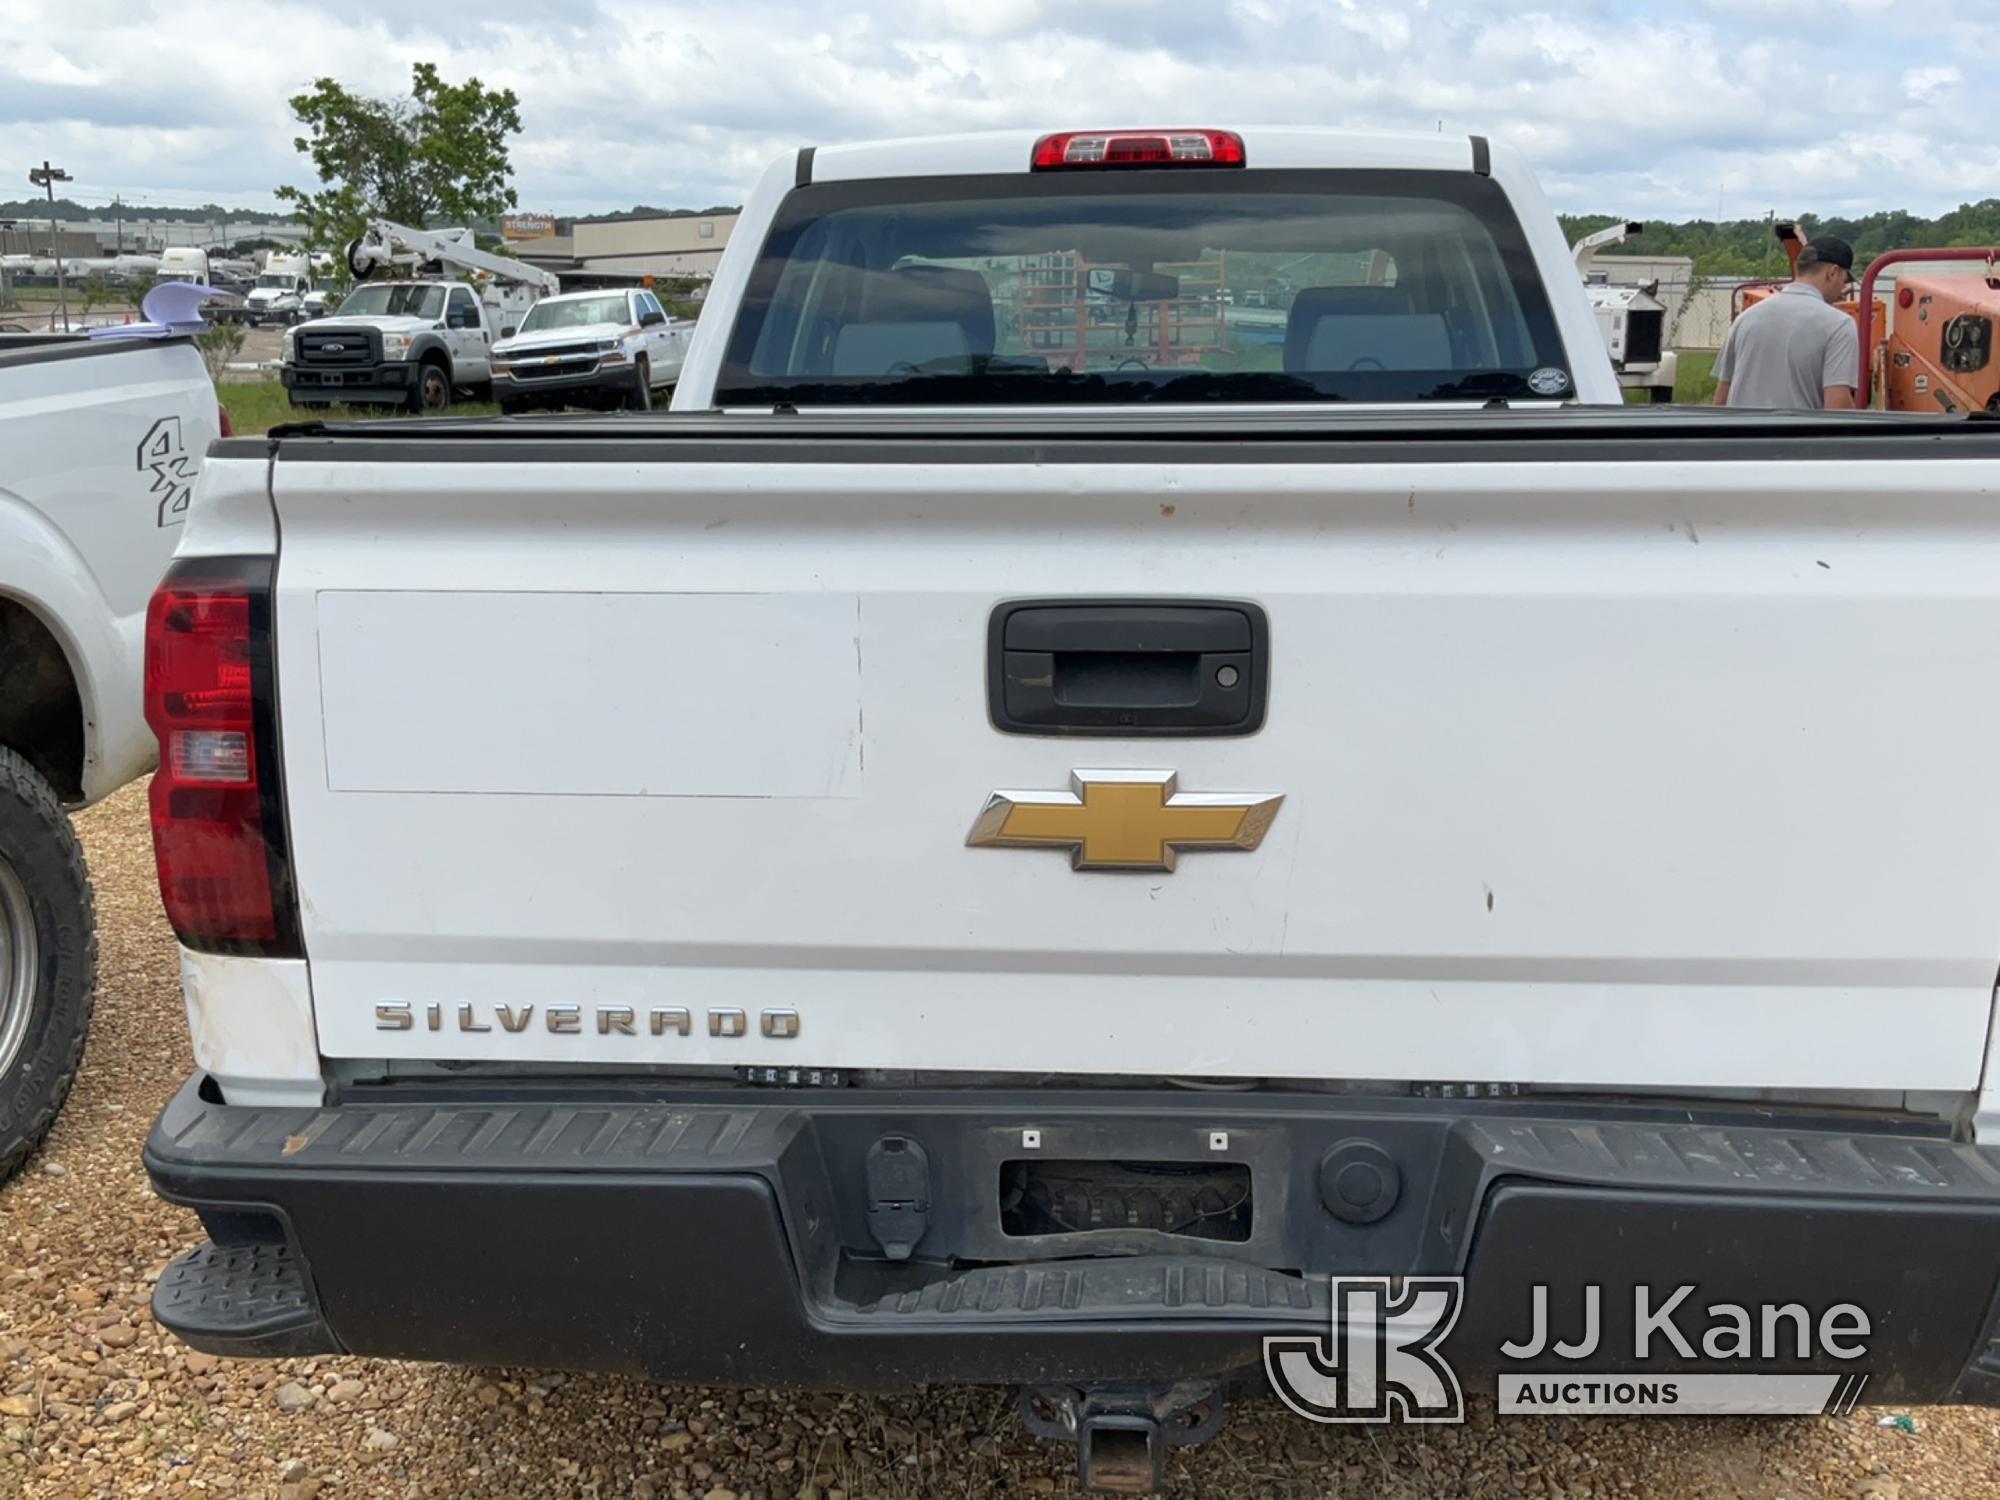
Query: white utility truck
point(412, 343)
point(100, 445)
point(613, 347)
point(1019, 830)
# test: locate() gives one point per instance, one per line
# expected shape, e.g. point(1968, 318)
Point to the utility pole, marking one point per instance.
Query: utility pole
point(118, 219)
point(46, 176)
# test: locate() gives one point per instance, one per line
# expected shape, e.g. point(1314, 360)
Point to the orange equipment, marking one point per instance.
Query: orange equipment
point(1940, 354)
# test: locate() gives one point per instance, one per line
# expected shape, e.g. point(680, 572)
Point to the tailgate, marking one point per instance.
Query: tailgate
point(1666, 773)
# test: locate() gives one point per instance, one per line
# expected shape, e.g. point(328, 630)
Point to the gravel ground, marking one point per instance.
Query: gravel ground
point(97, 1401)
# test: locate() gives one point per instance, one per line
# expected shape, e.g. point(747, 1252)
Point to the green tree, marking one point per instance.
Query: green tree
point(93, 293)
point(220, 343)
point(438, 156)
point(1746, 247)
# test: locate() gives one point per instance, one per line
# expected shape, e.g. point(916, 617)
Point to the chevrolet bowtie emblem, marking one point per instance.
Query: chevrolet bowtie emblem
point(1124, 820)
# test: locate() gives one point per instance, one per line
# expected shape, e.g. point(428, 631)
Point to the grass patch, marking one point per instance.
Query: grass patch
point(256, 406)
point(1694, 383)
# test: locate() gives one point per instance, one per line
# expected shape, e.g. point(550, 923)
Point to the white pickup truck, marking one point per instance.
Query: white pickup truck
point(615, 347)
point(100, 446)
point(1029, 823)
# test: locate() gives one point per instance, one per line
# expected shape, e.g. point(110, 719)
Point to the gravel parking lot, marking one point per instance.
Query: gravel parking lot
point(97, 1401)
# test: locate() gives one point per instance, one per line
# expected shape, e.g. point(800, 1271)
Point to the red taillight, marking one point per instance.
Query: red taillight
point(222, 420)
point(1905, 297)
point(1138, 148)
point(211, 797)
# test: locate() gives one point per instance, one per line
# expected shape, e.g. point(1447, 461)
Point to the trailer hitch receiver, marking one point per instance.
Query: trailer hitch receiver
point(1122, 1433)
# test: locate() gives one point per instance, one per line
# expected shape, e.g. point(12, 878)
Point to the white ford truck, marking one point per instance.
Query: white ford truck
point(100, 446)
point(1030, 824)
point(393, 343)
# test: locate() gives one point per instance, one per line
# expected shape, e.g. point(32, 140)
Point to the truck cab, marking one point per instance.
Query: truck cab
point(185, 263)
point(398, 343)
point(1413, 276)
point(278, 295)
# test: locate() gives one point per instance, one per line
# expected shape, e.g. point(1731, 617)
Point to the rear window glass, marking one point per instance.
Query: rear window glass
point(1145, 285)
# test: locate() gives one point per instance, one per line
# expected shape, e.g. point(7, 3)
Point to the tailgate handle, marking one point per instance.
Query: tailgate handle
point(1118, 667)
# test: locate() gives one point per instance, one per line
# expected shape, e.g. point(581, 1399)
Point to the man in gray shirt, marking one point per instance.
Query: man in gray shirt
point(1794, 349)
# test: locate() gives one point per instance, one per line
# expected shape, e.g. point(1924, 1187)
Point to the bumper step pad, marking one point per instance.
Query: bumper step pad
point(247, 1301)
point(1096, 1289)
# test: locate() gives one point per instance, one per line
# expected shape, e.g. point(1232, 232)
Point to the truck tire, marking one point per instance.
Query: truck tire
point(48, 959)
point(431, 391)
point(640, 397)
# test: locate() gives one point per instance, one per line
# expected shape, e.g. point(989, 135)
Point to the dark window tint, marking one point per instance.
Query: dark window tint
point(1144, 285)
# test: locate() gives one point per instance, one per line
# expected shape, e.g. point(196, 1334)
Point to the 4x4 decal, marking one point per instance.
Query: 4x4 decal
point(164, 455)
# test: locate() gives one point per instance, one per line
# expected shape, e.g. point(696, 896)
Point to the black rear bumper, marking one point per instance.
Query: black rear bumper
point(724, 1237)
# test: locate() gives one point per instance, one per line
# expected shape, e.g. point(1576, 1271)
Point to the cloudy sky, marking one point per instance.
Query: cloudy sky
point(1641, 107)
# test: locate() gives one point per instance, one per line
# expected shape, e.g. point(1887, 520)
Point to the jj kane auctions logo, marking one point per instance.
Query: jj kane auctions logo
point(1381, 1361)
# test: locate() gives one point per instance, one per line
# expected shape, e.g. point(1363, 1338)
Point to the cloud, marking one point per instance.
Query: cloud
point(1625, 106)
point(1927, 85)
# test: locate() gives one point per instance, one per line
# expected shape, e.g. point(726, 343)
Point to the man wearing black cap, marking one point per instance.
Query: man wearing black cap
point(1794, 350)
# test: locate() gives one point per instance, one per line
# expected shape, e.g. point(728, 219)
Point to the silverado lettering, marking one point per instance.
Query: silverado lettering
point(401, 1015)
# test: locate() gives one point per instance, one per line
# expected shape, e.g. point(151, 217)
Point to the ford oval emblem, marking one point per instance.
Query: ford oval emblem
point(333, 348)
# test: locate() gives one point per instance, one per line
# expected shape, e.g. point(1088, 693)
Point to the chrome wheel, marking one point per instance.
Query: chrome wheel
point(18, 965)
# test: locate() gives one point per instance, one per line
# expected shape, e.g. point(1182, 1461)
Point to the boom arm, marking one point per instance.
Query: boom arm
point(1585, 250)
point(383, 242)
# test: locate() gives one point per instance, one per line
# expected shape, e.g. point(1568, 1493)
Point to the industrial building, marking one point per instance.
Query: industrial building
point(584, 250)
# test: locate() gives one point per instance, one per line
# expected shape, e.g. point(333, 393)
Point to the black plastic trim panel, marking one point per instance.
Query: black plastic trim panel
point(746, 1132)
point(1627, 435)
point(36, 349)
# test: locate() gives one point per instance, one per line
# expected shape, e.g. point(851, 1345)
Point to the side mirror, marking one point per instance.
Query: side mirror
point(652, 319)
point(508, 332)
